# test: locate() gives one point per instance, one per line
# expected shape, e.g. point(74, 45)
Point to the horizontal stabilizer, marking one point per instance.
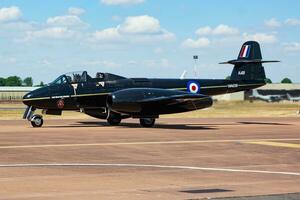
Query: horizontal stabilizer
point(257, 61)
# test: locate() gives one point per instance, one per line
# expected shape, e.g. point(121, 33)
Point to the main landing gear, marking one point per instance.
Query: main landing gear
point(147, 122)
point(35, 120)
point(114, 119)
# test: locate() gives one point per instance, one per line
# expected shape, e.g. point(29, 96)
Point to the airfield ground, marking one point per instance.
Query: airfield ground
point(179, 159)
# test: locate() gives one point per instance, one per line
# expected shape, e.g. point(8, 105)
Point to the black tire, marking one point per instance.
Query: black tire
point(114, 120)
point(37, 121)
point(147, 122)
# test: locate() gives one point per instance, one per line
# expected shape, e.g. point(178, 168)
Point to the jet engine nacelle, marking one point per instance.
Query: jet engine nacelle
point(130, 100)
point(151, 102)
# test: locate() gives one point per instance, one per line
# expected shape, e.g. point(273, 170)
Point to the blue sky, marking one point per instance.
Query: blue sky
point(145, 38)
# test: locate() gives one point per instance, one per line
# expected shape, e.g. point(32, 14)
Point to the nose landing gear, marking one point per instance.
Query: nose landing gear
point(35, 120)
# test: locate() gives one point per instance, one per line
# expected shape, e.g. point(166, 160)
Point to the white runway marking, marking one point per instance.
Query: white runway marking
point(147, 166)
point(144, 143)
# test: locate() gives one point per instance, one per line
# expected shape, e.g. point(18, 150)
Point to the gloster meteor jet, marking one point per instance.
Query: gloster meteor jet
point(113, 98)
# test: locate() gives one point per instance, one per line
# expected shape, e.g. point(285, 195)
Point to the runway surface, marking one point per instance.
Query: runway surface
point(179, 159)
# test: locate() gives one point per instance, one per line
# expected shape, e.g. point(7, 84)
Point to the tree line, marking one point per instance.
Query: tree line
point(284, 80)
point(17, 81)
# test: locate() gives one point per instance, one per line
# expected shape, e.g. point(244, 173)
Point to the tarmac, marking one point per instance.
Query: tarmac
point(246, 158)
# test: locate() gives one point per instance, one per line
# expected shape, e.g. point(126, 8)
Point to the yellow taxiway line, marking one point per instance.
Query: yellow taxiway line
point(275, 144)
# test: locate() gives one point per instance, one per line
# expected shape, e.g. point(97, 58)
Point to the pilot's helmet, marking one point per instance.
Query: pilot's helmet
point(99, 75)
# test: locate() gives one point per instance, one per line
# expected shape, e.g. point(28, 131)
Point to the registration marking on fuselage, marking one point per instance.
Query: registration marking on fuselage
point(143, 143)
point(275, 144)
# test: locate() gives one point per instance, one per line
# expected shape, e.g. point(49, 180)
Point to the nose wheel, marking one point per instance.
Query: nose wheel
point(37, 121)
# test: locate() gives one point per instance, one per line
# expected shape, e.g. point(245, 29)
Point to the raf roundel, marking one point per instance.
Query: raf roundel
point(60, 103)
point(193, 87)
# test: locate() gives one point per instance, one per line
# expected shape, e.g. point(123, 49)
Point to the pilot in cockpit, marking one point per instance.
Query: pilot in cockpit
point(100, 76)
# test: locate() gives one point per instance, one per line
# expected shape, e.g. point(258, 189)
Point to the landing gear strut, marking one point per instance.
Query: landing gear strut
point(147, 122)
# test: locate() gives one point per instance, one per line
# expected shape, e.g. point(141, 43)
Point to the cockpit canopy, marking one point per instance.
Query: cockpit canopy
point(82, 76)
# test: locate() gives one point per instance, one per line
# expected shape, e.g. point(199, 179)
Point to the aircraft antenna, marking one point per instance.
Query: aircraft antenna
point(195, 57)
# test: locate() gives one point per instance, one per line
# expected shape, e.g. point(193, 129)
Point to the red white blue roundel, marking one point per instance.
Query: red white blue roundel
point(193, 87)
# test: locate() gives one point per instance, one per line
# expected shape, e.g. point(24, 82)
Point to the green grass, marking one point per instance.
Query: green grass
point(245, 109)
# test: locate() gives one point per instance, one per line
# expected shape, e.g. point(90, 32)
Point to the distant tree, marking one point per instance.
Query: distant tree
point(228, 78)
point(2, 81)
point(13, 81)
point(42, 84)
point(268, 80)
point(28, 81)
point(286, 80)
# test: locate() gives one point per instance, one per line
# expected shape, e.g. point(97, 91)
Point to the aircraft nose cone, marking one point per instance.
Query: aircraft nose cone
point(35, 95)
point(27, 96)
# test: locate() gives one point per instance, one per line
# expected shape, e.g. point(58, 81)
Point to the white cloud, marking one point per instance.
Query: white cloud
point(140, 24)
point(10, 14)
point(261, 37)
point(195, 44)
point(207, 30)
point(121, 2)
point(163, 62)
point(158, 50)
point(109, 34)
point(141, 29)
point(66, 21)
point(116, 18)
point(294, 46)
point(225, 30)
point(54, 33)
point(103, 63)
point(76, 11)
point(221, 29)
point(292, 22)
point(273, 23)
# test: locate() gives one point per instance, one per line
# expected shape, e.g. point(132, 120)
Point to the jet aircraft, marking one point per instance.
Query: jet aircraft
point(113, 98)
point(267, 98)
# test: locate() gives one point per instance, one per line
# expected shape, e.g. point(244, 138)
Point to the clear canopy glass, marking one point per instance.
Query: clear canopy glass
point(76, 77)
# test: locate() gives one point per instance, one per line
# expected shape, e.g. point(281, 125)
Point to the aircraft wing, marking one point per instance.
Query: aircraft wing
point(157, 101)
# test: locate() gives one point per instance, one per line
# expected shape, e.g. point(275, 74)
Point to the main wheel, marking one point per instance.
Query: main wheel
point(114, 120)
point(147, 122)
point(37, 121)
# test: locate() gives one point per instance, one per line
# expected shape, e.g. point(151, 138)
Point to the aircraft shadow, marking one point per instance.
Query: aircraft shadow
point(203, 191)
point(136, 125)
point(265, 123)
point(83, 124)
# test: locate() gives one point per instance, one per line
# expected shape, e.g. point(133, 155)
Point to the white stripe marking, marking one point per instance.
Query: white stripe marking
point(147, 166)
point(144, 143)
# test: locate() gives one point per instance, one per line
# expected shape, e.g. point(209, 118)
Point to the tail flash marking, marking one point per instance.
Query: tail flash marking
point(245, 52)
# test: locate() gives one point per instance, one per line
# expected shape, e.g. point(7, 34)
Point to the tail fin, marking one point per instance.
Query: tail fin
point(248, 65)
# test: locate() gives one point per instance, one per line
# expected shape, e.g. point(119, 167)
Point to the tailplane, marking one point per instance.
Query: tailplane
point(248, 65)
